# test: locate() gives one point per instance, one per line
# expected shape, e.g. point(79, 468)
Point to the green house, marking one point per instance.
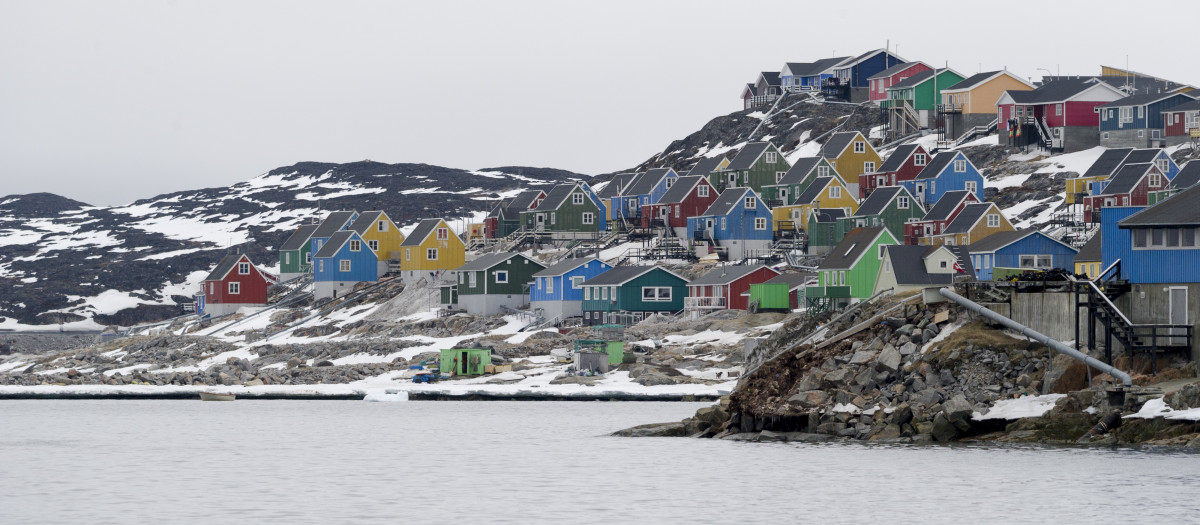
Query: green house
point(627, 294)
point(782, 293)
point(295, 255)
point(569, 211)
point(911, 103)
point(505, 218)
point(824, 229)
point(889, 206)
point(495, 280)
point(758, 164)
point(465, 361)
point(448, 294)
point(796, 180)
point(849, 271)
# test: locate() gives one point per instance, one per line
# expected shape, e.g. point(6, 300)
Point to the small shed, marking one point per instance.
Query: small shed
point(594, 361)
point(465, 361)
point(780, 293)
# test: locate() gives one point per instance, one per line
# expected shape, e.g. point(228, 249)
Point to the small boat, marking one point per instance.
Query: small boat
point(213, 396)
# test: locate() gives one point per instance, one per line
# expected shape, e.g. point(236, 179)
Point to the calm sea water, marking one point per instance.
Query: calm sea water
point(531, 462)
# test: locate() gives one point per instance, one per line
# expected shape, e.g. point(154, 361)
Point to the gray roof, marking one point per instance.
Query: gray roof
point(331, 247)
point(299, 238)
point(565, 266)
point(1186, 106)
point(1145, 98)
point(1125, 179)
point(621, 275)
point(365, 221)
point(878, 200)
point(973, 79)
point(895, 69)
point(820, 66)
point(1135, 82)
point(706, 166)
point(745, 158)
point(999, 240)
point(968, 217)
point(897, 158)
point(728, 200)
point(837, 143)
point(908, 264)
point(1187, 177)
point(800, 169)
point(525, 199)
point(854, 61)
point(945, 205)
point(615, 185)
point(483, 262)
point(1142, 156)
point(680, 189)
point(1108, 162)
point(852, 246)
point(1058, 90)
point(333, 223)
point(916, 79)
point(937, 164)
point(772, 77)
point(829, 214)
point(792, 279)
point(644, 183)
point(418, 235)
point(813, 191)
point(726, 274)
point(1091, 251)
point(1179, 210)
point(558, 195)
point(223, 267)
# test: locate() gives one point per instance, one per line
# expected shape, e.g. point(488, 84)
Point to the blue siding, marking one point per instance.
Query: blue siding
point(1062, 256)
point(738, 223)
point(364, 265)
point(946, 181)
point(871, 67)
point(622, 203)
point(1152, 117)
point(1144, 266)
point(540, 290)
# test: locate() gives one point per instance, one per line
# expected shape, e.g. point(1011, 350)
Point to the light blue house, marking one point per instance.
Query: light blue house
point(738, 223)
point(557, 290)
point(946, 171)
point(646, 188)
point(342, 262)
point(1003, 254)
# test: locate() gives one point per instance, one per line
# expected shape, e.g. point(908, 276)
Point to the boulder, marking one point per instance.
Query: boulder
point(809, 399)
point(957, 409)
point(908, 349)
point(902, 415)
point(837, 377)
point(888, 360)
point(862, 357)
point(677, 429)
point(811, 381)
point(943, 429)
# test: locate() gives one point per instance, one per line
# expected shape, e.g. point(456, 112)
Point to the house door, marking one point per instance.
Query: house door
point(708, 224)
point(1178, 313)
point(541, 221)
point(921, 192)
point(462, 364)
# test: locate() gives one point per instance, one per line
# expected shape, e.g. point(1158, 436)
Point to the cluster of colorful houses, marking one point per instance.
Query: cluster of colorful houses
point(1117, 108)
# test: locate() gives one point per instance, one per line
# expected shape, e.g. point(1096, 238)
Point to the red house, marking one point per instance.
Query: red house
point(234, 283)
point(723, 288)
point(688, 196)
point(1181, 120)
point(904, 164)
point(890, 76)
point(1130, 186)
point(1059, 115)
point(939, 216)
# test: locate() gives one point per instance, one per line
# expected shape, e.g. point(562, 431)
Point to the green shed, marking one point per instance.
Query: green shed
point(465, 361)
point(781, 293)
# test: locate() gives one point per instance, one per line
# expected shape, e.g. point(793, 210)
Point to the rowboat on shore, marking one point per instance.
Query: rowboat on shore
point(213, 396)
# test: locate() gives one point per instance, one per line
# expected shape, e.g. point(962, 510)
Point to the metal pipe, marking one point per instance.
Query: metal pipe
point(1032, 334)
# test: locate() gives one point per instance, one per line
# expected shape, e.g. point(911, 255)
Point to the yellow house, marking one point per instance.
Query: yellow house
point(382, 235)
point(431, 248)
point(851, 155)
point(1088, 260)
point(476, 231)
point(824, 192)
point(972, 102)
point(975, 222)
point(1080, 187)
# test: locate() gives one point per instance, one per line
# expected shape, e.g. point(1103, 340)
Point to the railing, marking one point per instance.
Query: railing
point(950, 108)
point(705, 303)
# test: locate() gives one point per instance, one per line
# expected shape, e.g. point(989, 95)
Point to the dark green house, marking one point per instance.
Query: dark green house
point(823, 229)
point(295, 255)
point(796, 180)
point(758, 164)
point(495, 280)
point(628, 294)
point(569, 211)
point(889, 206)
point(505, 218)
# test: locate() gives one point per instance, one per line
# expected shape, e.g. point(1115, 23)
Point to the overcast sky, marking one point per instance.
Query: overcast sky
point(108, 102)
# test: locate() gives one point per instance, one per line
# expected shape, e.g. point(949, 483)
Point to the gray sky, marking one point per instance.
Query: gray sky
point(107, 102)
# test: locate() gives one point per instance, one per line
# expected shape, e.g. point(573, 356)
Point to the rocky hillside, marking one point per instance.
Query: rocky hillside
point(65, 261)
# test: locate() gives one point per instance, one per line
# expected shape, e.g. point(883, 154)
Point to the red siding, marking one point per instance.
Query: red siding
point(737, 301)
point(253, 287)
point(1176, 129)
point(1007, 114)
point(889, 81)
point(908, 171)
point(693, 205)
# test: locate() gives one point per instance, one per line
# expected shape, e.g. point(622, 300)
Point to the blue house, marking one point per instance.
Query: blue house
point(333, 223)
point(851, 77)
point(557, 290)
point(946, 171)
point(1137, 121)
point(1003, 254)
point(805, 76)
point(645, 188)
point(342, 262)
point(738, 223)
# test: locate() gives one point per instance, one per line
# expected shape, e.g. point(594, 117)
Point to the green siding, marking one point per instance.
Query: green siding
point(761, 173)
point(630, 294)
point(861, 277)
point(773, 296)
point(892, 217)
point(474, 364)
point(520, 272)
point(295, 260)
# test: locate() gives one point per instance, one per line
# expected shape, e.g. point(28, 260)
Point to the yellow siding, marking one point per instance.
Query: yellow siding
point(451, 253)
point(475, 231)
point(982, 230)
point(389, 239)
point(800, 212)
point(850, 164)
point(1091, 269)
point(1079, 185)
point(982, 99)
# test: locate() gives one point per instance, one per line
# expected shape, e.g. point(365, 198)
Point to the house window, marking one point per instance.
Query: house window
point(942, 265)
point(431, 254)
point(355, 245)
point(771, 157)
point(373, 245)
point(408, 254)
point(321, 265)
point(1141, 133)
point(868, 167)
point(604, 292)
point(1126, 115)
point(381, 226)
point(993, 220)
point(575, 282)
point(678, 212)
point(235, 288)
point(860, 146)
point(656, 293)
point(443, 234)
point(343, 265)
point(842, 277)
point(920, 159)
point(887, 266)
point(779, 175)
point(822, 171)
point(835, 192)
point(760, 223)
point(501, 276)
point(960, 166)
point(1104, 116)
point(902, 202)
point(287, 258)
point(577, 198)
point(702, 191)
point(552, 214)
point(589, 218)
point(750, 203)
point(1155, 180)
point(1141, 111)
point(722, 223)
point(1058, 109)
point(670, 182)
point(243, 268)
point(472, 279)
point(1105, 135)
point(308, 258)
point(970, 186)
point(1162, 164)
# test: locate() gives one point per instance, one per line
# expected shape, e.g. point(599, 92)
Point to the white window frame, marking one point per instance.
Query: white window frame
point(343, 265)
point(750, 203)
point(970, 186)
point(373, 245)
point(760, 223)
point(381, 226)
point(860, 146)
point(589, 217)
point(355, 245)
point(868, 167)
point(779, 176)
point(243, 268)
point(472, 279)
point(321, 265)
point(308, 257)
point(287, 258)
point(960, 165)
point(576, 281)
point(822, 171)
point(771, 157)
point(443, 234)
point(431, 254)
point(501, 276)
point(577, 198)
point(702, 191)
point(657, 294)
point(835, 192)
point(993, 220)
point(902, 202)
point(235, 288)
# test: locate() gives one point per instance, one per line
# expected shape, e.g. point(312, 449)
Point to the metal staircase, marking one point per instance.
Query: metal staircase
point(1135, 338)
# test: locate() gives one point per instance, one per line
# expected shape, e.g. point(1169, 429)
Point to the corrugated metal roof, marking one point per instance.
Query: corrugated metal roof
point(423, 229)
point(897, 158)
point(680, 189)
point(968, 217)
point(644, 184)
point(623, 274)
point(972, 80)
point(1179, 210)
point(1108, 162)
point(750, 153)
point(1091, 252)
point(946, 205)
point(365, 221)
point(878, 200)
point(726, 274)
point(558, 195)
point(937, 164)
point(334, 222)
point(331, 247)
point(847, 252)
point(813, 192)
point(728, 200)
point(1125, 179)
point(838, 143)
point(299, 238)
point(1187, 177)
point(223, 267)
point(706, 166)
point(800, 169)
point(565, 266)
